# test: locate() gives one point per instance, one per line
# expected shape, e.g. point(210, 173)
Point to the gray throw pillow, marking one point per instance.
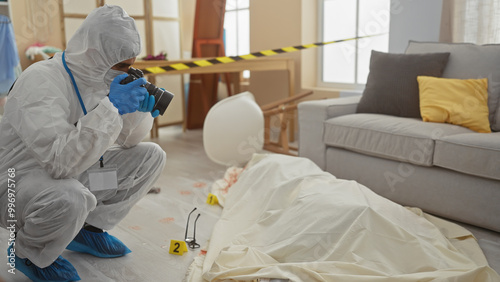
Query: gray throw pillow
point(392, 86)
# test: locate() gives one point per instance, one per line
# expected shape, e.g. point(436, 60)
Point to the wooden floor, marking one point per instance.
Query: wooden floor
point(156, 219)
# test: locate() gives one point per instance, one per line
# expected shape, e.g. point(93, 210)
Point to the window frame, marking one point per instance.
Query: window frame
point(356, 86)
point(236, 10)
point(244, 76)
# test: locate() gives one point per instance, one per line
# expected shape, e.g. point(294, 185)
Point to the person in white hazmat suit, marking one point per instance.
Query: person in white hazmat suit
point(51, 141)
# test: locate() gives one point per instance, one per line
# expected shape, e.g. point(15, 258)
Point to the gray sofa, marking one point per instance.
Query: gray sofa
point(446, 170)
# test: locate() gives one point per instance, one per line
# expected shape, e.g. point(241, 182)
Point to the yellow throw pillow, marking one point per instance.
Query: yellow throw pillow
point(462, 102)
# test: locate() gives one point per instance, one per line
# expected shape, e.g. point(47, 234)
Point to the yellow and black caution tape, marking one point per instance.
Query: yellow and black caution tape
point(232, 59)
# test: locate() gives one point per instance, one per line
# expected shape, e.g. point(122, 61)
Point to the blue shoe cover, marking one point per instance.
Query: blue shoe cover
point(59, 270)
point(100, 245)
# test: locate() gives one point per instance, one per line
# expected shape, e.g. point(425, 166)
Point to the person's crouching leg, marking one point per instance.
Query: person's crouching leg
point(138, 168)
point(50, 219)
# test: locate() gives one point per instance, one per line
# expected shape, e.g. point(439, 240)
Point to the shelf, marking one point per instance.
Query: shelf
point(4, 3)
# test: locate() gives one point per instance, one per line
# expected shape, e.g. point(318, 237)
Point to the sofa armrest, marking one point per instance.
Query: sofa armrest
point(312, 115)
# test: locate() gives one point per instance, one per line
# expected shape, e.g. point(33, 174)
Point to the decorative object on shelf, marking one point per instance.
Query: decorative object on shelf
point(39, 49)
point(161, 56)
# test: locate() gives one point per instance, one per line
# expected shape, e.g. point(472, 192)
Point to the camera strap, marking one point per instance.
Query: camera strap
point(101, 160)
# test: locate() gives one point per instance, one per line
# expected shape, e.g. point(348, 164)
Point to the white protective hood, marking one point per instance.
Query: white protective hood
point(106, 37)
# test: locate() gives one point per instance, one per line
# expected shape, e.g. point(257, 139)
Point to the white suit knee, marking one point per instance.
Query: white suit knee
point(139, 167)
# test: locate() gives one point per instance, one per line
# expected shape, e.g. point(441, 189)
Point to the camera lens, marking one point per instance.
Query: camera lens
point(163, 101)
point(162, 97)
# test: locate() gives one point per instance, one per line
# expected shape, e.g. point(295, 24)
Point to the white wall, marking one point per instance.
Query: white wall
point(413, 20)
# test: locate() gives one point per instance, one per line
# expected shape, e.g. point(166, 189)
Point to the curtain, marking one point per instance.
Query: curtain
point(9, 58)
point(474, 21)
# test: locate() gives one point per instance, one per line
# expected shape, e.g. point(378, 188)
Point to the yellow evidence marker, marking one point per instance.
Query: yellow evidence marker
point(177, 247)
point(212, 199)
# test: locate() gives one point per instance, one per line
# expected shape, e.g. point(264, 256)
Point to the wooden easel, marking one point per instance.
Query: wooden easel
point(208, 41)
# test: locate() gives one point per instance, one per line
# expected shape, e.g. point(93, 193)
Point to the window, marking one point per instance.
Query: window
point(237, 29)
point(346, 64)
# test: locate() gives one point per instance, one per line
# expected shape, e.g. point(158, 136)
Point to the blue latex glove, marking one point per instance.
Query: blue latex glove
point(147, 106)
point(127, 97)
point(155, 113)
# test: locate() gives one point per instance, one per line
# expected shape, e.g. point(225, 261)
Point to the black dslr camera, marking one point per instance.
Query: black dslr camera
point(162, 97)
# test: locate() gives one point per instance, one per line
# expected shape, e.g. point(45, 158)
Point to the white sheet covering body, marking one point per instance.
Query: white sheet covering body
point(286, 218)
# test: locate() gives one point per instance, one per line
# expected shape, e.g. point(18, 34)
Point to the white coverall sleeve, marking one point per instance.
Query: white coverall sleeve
point(63, 149)
point(136, 126)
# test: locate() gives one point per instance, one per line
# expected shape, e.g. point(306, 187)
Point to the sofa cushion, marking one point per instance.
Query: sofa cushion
point(470, 61)
point(392, 87)
point(462, 102)
point(472, 153)
point(396, 138)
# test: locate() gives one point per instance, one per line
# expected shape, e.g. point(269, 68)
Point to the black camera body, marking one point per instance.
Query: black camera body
point(162, 97)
